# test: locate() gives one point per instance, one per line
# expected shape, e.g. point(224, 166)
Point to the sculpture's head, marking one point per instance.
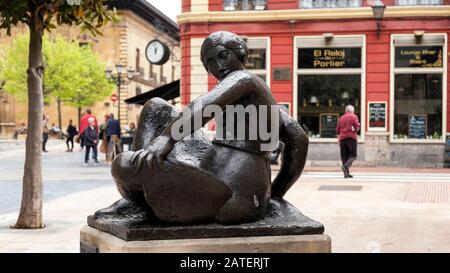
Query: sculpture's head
point(222, 53)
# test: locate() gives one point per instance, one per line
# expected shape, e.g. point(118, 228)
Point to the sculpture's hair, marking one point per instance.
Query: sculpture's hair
point(227, 39)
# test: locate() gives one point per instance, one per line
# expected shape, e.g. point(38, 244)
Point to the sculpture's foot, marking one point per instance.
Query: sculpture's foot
point(123, 209)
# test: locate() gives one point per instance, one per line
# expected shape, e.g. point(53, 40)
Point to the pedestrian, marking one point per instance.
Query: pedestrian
point(71, 133)
point(84, 123)
point(45, 132)
point(113, 131)
point(90, 136)
point(346, 129)
point(131, 130)
point(105, 141)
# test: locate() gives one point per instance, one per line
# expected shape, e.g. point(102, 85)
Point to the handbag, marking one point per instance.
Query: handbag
point(77, 138)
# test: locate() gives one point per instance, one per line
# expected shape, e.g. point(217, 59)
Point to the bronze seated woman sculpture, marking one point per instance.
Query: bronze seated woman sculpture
point(227, 181)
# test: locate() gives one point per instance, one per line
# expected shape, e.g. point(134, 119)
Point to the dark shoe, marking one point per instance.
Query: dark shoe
point(345, 171)
point(349, 176)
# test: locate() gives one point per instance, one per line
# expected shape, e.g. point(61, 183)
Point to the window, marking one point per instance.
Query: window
point(138, 90)
point(321, 95)
point(231, 5)
point(320, 4)
point(329, 76)
point(257, 61)
point(151, 74)
point(418, 84)
point(138, 59)
point(418, 106)
point(418, 2)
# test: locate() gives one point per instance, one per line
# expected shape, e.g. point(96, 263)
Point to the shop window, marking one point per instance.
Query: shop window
point(320, 4)
point(418, 74)
point(329, 76)
point(418, 2)
point(418, 106)
point(322, 100)
point(232, 5)
point(257, 57)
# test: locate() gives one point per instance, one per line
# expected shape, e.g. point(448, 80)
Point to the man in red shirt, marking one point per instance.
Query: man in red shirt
point(346, 129)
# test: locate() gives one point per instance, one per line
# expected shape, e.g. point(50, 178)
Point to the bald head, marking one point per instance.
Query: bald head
point(349, 109)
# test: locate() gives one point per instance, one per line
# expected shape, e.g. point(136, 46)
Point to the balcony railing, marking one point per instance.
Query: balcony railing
point(323, 4)
point(232, 5)
point(418, 2)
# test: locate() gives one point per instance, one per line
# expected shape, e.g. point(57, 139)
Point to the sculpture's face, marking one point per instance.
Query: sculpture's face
point(220, 61)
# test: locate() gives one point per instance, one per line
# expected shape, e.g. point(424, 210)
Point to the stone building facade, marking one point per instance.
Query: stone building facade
point(122, 43)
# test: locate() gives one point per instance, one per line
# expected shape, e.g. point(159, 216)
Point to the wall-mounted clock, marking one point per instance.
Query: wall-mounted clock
point(157, 52)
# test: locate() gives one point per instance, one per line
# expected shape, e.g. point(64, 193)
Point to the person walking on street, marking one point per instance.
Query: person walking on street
point(113, 134)
point(90, 136)
point(45, 132)
point(71, 133)
point(84, 123)
point(346, 129)
point(105, 141)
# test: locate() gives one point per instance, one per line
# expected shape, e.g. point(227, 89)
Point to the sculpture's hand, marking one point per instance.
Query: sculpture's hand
point(154, 154)
point(160, 148)
point(139, 157)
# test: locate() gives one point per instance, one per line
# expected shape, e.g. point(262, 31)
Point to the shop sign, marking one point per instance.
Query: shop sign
point(418, 56)
point(326, 58)
point(256, 59)
point(417, 126)
point(328, 123)
point(377, 115)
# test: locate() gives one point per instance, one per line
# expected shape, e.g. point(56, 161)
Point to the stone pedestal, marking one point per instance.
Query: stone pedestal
point(93, 240)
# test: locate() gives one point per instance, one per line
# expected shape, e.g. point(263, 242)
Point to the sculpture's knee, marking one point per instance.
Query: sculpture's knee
point(127, 181)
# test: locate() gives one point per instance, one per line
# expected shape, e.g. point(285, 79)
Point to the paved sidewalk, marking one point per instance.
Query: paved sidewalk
point(379, 212)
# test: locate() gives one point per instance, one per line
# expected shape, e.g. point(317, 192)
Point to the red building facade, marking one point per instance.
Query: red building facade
point(318, 56)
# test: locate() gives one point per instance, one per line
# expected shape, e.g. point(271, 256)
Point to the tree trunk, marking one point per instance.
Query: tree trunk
point(58, 101)
point(79, 117)
point(30, 215)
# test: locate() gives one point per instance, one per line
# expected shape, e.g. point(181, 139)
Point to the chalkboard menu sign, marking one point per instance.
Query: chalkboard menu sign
point(328, 123)
point(418, 56)
point(377, 115)
point(417, 126)
point(323, 58)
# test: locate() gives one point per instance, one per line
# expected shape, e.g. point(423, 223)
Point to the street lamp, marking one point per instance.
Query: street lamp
point(378, 12)
point(119, 78)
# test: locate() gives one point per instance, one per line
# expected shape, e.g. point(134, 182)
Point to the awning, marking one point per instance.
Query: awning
point(169, 91)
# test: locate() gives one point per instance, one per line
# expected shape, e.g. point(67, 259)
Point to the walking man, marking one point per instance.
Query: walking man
point(347, 128)
point(113, 131)
point(90, 141)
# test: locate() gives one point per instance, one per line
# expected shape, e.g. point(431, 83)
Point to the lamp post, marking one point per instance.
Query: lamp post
point(119, 78)
point(378, 12)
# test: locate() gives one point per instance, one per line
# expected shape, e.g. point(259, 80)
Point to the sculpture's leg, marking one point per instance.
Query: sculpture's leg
point(154, 118)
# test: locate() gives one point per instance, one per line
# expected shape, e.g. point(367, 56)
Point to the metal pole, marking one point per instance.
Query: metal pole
point(119, 81)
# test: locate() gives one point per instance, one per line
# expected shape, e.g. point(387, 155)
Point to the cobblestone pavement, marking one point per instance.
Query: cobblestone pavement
point(380, 210)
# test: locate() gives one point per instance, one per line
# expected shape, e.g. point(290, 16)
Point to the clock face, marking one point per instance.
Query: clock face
point(157, 52)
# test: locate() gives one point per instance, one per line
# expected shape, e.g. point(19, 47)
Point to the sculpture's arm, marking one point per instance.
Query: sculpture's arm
point(233, 87)
point(293, 156)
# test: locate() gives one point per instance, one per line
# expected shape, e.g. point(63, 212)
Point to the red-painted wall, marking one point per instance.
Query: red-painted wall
point(185, 70)
point(185, 6)
point(281, 35)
